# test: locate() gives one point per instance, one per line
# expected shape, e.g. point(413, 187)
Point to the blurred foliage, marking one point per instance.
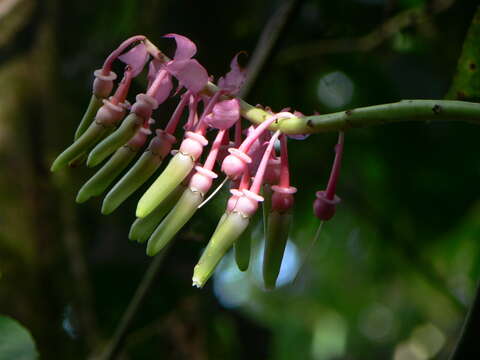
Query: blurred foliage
point(15, 341)
point(466, 81)
point(393, 272)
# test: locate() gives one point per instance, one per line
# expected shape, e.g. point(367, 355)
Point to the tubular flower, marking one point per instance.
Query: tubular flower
point(199, 185)
point(234, 223)
point(129, 140)
point(278, 221)
point(325, 204)
point(103, 84)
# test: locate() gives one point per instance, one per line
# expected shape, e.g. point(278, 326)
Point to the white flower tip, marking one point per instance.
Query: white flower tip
point(197, 283)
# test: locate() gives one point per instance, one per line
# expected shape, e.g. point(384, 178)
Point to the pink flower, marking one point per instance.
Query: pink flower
point(234, 79)
point(325, 204)
point(224, 114)
point(248, 159)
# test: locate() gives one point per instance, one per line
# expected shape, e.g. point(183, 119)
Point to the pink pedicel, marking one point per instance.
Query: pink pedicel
point(107, 65)
point(223, 151)
point(104, 77)
point(195, 141)
point(192, 119)
point(161, 86)
point(282, 197)
point(257, 149)
point(235, 163)
point(272, 174)
point(202, 179)
point(237, 192)
point(177, 114)
point(324, 205)
point(247, 204)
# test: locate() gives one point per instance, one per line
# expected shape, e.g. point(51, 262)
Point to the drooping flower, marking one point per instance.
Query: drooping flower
point(256, 172)
point(199, 185)
point(279, 220)
point(325, 204)
point(234, 224)
point(103, 84)
point(217, 114)
point(235, 163)
point(108, 115)
point(178, 168)
point(122, 157)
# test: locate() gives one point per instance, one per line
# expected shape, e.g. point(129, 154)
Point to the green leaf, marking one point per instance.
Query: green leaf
point(466, 83)
point(15, 341)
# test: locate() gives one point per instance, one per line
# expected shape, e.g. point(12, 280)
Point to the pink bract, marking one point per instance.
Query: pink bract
point(224, 114)
point(186, 48)
point(234, 79)
point(136, 58)
point(189, 74)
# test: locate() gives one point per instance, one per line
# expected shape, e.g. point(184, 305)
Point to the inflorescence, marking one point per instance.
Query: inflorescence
point(256, 171)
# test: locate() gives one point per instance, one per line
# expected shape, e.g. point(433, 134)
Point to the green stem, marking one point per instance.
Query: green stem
point(405, 110)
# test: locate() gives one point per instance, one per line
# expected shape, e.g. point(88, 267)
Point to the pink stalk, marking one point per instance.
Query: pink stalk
point(212, 156)
point(284, 170)
point(332, 181)
point(247, 143)
point(245, 181)
point(203, 177)
point(258, 180)
point(152, 90)
point(107, 65)
point(192, 113)
point(202, 180)
point(122, 89)
point(236, 191)
point(226, 140)
point(202, 125)
point(177, 114)
point(238, 133)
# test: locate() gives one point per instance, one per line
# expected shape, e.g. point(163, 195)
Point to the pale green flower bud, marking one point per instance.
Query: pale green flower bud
point(148, 163)
point(227, 233)
point(177, 170)
point(93, 106)
point(142, 228)
point(278, 226)
point(89, 138)
point(175, 220)
point(243, 245)
point(120, 136)
point(99, 182)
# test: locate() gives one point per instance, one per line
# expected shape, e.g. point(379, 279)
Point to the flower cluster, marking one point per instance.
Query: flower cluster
point(257, 171)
